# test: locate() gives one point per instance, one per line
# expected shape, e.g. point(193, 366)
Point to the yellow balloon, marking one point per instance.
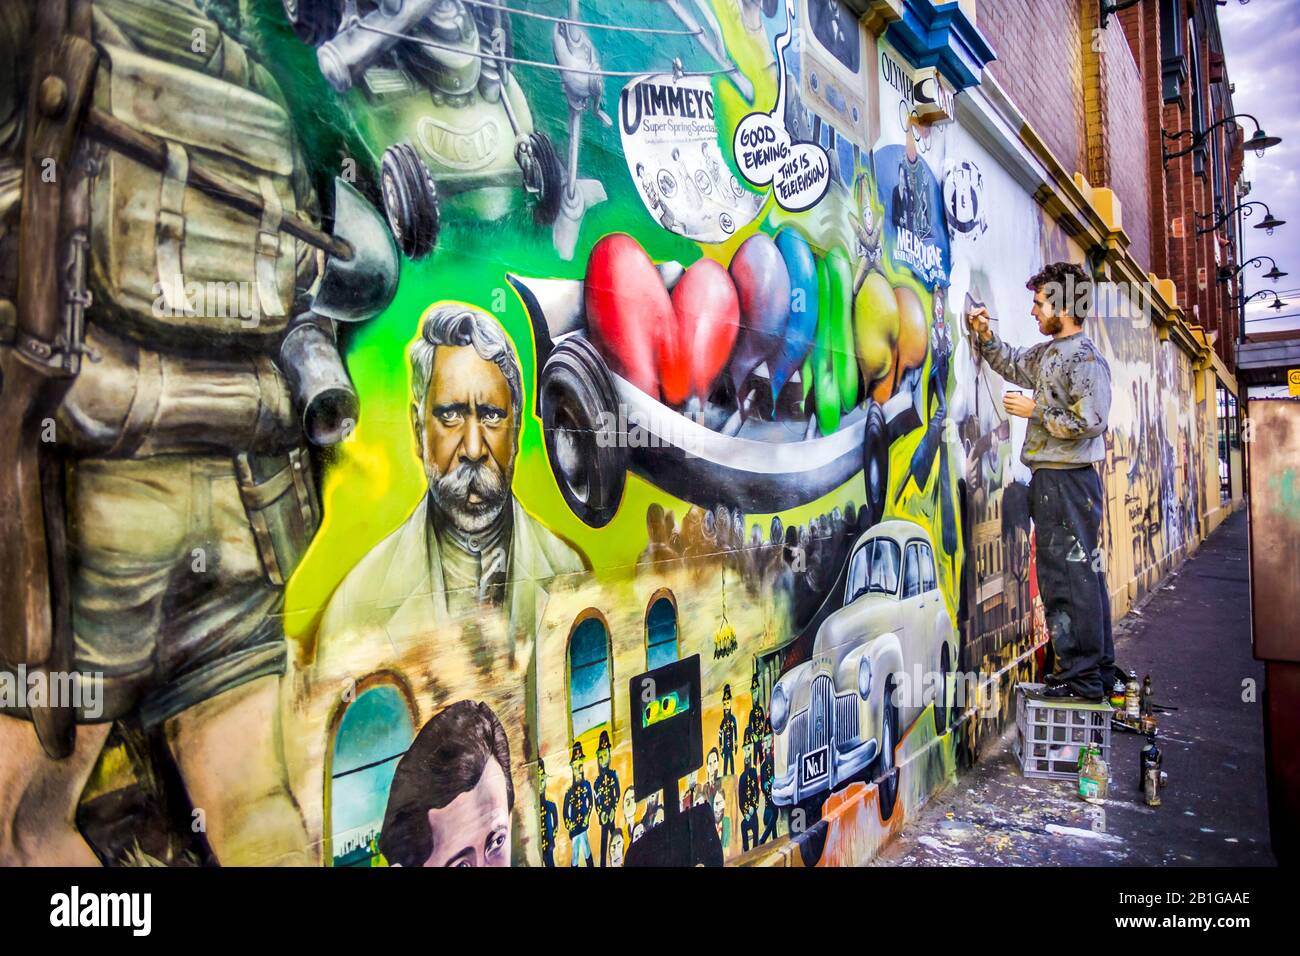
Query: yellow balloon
point(875, 327)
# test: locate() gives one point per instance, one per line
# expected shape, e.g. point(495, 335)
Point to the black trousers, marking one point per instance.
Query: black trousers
point(1066, 505)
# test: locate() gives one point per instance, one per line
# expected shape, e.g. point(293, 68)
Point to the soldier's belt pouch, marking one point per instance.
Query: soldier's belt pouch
point(282, 509)
point(131, 402)
point(170, 258)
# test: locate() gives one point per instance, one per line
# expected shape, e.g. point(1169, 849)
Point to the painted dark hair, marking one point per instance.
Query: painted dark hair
point(446, 759)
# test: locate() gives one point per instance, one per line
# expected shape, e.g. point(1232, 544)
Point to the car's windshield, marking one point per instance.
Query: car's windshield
point(874, 567)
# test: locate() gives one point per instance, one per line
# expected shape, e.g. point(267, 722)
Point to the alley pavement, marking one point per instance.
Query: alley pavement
point(1192, 635)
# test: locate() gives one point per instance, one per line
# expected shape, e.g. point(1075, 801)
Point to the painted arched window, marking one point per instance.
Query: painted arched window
point(660, 631)
point(590, 676)
point(372, 734)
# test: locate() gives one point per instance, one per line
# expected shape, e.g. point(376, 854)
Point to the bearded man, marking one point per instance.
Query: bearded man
point(468, 545)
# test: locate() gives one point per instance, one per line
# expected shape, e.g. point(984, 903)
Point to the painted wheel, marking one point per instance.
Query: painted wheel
point(580, 423)
point(543, 175)
point(941, 710)
point(886, 773)
point(314, 21)
point(410, 200)
point(875, 463)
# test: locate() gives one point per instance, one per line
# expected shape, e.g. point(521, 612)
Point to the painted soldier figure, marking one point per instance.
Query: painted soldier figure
point(749, 791)
point(766, 777)
point(578, 800)
point(727, 733)
point(547, 817)
point(607, 794)
point(754, 727)
point(179, 493)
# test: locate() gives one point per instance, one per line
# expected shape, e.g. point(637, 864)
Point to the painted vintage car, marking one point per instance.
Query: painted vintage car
point(755, 465)
point(835, 717)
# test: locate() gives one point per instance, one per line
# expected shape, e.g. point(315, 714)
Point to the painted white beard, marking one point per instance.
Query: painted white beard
point(450, 496)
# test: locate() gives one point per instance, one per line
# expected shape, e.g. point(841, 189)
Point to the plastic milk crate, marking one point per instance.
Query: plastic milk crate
point(1050, 733)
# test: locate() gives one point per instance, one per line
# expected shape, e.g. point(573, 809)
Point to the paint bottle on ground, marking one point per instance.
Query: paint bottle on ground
point(1093, 775)
point(1149, 780)
point(1148, 701)
point(1133, 697)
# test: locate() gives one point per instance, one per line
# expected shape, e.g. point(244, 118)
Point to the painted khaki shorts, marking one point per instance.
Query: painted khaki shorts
point(171, 602)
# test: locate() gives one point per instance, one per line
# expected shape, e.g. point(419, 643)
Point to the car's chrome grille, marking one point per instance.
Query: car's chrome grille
point(798, 730)
point(819, 712)
point(846, 719)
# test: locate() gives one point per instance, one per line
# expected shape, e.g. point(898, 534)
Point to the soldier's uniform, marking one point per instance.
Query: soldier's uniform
point(547, 817)
point(577, 809)
point(607, 794)
point(749, 805)
point(766, 777)
point(189, 496)
point(727, 733)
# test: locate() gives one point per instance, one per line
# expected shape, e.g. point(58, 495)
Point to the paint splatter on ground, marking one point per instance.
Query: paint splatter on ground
point(1195, 642)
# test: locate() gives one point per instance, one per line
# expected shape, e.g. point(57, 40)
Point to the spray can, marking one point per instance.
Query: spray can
point(1133, 697)
point(1148, 701)
point(1150, 775)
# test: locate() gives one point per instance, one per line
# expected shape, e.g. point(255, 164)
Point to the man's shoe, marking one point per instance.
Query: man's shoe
point(1051, 680)
point(1066, 692)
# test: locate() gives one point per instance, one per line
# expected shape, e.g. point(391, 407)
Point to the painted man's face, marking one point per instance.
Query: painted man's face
point(713, 765)
point(474, 829)
point(468, 445)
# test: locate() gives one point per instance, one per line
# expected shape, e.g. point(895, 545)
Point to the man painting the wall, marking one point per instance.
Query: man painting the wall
point(1064, 439)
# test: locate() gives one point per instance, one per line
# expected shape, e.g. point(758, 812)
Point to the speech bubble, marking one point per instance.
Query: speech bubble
point(766, 154)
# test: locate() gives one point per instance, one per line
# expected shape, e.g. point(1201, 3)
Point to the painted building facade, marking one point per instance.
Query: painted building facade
point(606, 417)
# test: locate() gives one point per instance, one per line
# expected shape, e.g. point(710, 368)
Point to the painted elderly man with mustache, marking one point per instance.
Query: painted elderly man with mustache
point(468, 545)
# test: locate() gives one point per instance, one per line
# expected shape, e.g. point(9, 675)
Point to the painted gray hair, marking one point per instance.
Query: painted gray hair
point(456, 324)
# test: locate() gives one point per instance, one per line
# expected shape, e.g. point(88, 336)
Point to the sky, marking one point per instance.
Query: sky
point(1261, 43)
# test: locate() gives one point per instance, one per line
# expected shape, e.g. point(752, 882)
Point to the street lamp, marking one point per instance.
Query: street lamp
point(1226, 274)
point(1276, 304)
point(1268, 223)
point(1259, 141)
point(1109, 8)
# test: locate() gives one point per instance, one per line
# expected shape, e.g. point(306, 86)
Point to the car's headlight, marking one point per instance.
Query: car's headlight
point(864, 678)
point(780, 708)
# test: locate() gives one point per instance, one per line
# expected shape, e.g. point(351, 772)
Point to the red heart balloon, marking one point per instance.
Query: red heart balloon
point(627, 308)
point(707, 306)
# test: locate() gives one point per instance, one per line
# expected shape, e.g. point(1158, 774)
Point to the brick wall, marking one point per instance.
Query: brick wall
point(1127, 137)
point(1040, 65)
point(1082, 90)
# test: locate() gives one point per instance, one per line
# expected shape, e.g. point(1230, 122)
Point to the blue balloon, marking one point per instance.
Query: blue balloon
point(801, 329)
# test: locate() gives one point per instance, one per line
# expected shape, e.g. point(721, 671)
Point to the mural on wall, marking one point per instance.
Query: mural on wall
point(567, 451)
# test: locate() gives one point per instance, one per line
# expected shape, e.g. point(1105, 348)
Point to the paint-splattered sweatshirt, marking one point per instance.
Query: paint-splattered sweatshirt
point(1071, 385)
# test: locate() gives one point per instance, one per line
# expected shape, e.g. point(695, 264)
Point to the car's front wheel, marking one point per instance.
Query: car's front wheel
point(886, 772)
point(579, 410)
